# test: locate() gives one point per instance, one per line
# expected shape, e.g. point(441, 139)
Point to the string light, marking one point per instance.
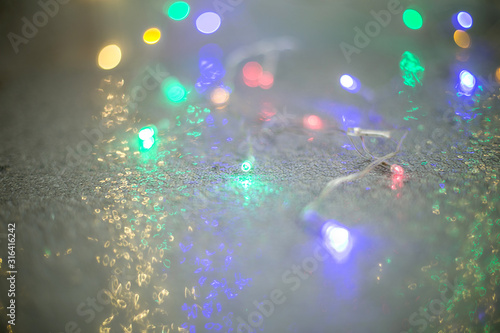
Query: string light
point(337, 237)
point(147, 136)
point(397, 170)
point(246, 166)
point(397, 176)
point(467, 82)
point(146, 133)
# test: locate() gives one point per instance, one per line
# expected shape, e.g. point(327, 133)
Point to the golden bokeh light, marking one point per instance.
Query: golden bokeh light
point(497, 74)
point(219, 96)
point(152, 36)
point(109, 57)
point(462, 39)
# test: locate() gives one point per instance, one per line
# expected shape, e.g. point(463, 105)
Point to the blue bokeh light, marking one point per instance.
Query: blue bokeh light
point(208, 22)
point(467, 82)
point(464, 19)
point(350, 83)
point(337, 239)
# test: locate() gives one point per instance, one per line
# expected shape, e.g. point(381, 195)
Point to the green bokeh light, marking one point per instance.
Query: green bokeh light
point(246, 166)
point(174, 91)
point(147, 137)
point(412, 19)
point(146, 133)
point(412, 70)
point(178, 11)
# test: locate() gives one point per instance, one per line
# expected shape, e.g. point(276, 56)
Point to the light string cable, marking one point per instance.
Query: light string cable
point(379, 160)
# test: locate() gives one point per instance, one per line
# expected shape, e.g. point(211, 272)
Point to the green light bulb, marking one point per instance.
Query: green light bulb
point(246, 166)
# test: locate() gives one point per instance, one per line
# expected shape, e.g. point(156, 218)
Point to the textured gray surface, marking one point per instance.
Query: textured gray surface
point(224, 232)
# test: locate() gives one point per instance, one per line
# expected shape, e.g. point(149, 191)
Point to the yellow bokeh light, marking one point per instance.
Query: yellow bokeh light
point(152, 36)
point(462, 39)
point(109, 57)
point(219, 96)
point(497, 74)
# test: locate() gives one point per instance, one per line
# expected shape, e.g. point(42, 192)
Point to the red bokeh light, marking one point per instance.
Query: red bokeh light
point(266, 80)
point(397, 170)
point(397, 176)
point(313, 122)
point(252, 71)
point(267, 111)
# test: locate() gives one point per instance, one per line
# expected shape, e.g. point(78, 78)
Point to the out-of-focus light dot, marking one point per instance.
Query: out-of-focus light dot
point(109, 57)
point(464, 19)
point(219, 96)
point(246, 166)
point(337, 237)
point(252, 71)
point(173, 90)
point(397, 170)
point(497, 74)
point(347, 81)
point(176, 93)
point(208, 22)
point(178, 11)
point(146, 133)
point(462, 55)
point(266, 80)
point(412, 19)
point(313, 122)
point(467, 79)
point(151, 36)
point(148, 143)
point(462, 39)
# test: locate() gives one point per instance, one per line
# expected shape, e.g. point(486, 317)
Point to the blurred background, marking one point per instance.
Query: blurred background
point(165, 163)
